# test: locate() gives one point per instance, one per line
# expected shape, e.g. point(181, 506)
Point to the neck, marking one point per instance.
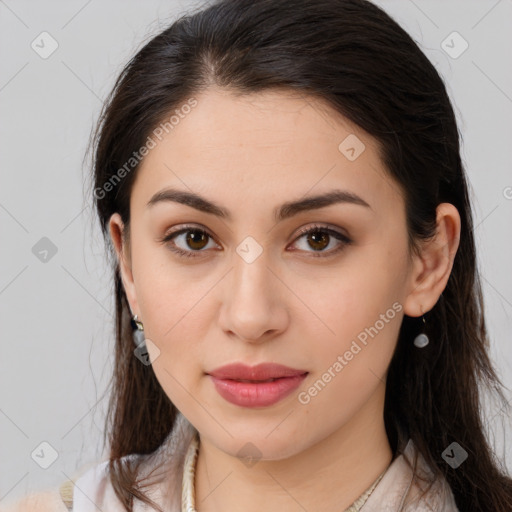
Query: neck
point(329, 475)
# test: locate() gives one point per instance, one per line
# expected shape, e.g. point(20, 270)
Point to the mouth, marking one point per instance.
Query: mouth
point(258, 386)
point(263, 372)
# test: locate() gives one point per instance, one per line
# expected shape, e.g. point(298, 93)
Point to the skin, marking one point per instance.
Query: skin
point(250, 154)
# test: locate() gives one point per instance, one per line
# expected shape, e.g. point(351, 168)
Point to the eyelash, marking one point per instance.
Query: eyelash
point(305, 231)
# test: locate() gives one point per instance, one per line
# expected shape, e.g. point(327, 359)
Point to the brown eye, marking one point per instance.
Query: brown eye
point(196, 239)
point(318, 238)
point(192, 241)
point(188, 242)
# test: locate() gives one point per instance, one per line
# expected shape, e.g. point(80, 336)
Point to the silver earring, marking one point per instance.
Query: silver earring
point(422, 339)
point(138, 331)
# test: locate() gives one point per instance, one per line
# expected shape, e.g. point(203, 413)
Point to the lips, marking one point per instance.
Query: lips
point(258, 386)
point(259, 373)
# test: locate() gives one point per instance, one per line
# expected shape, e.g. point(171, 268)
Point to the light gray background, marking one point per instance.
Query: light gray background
point(56, 317)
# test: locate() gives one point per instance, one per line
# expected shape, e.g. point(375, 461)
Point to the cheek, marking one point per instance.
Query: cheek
point(357, 314)
point(168, 292)
point(177, 322)
point(350, 365)
point(353, 297)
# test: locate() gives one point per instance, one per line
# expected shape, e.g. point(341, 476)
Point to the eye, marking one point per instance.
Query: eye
point(189, 241)
point(321, 237)
point(192, 240)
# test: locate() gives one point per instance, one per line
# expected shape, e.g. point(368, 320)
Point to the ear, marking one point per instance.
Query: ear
point(122, 248)
point(432, 267)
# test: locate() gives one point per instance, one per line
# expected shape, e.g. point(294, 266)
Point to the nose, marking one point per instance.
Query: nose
point(254, 306)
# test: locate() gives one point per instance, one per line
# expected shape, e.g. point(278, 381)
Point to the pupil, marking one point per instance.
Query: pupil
point(195, 237)
point(319, 238)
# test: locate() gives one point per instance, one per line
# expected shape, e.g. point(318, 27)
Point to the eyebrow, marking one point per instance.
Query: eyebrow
point(285, 211)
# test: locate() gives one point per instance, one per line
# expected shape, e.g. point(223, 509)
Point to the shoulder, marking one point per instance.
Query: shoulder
point(87, 486)
point(439, 496)
point(400, 489)
point(91, 489)
point(44, 501)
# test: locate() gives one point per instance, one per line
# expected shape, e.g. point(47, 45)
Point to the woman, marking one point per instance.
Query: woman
point(281, 189)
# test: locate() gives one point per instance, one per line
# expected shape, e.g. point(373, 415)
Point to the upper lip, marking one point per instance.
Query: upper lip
point(262, 371)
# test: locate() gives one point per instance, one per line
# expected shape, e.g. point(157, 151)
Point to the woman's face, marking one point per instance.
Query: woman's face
point(256, 290)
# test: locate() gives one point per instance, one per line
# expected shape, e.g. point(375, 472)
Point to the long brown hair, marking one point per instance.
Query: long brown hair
point(355, 57)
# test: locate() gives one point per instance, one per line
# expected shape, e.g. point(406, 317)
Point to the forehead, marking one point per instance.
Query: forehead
point(277, 143)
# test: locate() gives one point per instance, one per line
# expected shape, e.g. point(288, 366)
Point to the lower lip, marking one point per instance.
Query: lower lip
point(254, 394)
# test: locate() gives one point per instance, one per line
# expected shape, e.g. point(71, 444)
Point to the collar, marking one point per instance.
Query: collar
point(188, 486)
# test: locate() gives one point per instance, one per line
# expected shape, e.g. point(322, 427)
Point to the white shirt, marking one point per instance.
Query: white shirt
point(174, 463)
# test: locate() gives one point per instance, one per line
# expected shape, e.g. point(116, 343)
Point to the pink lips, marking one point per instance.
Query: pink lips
point(256, 386)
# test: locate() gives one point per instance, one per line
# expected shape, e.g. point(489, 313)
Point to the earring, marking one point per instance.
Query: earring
point(138, 331)
point(422, 339)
